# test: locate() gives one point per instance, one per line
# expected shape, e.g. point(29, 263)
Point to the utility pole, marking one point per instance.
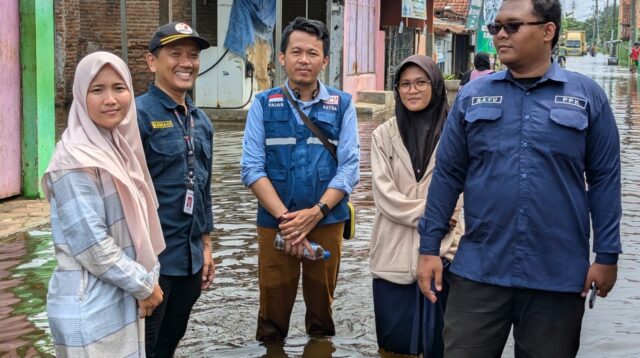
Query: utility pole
point(632, 25)
point(604, 20)
point(596, 29)
point(614, 23)
point(593, 28)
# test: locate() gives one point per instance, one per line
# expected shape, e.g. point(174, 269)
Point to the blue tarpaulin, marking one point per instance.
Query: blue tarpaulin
point(250, 19)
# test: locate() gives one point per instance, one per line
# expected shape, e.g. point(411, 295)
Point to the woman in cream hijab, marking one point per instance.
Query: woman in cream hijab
point(105, 227)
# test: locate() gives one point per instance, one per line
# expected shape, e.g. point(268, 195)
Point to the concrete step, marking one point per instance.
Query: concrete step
point(376, 97)
point(227, 115)
point(369, 109)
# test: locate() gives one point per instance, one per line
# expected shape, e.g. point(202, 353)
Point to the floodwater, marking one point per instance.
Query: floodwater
point(224, 319)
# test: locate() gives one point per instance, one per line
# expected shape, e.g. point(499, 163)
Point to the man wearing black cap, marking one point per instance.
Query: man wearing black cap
point(177, 140)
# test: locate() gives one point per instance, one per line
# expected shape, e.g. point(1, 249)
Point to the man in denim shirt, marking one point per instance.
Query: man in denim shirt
point(536, 151)
point(177, 140)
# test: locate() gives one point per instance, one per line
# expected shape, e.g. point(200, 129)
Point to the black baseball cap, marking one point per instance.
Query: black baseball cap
point(174, 31)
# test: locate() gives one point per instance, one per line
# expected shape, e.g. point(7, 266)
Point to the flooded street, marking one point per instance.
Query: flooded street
point(224, 319)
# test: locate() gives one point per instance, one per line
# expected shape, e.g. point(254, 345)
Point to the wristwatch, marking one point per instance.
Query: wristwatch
point(324, 209)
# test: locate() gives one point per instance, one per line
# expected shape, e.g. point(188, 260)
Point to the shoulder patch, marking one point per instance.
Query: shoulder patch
point(276, 100)
point(276, 97)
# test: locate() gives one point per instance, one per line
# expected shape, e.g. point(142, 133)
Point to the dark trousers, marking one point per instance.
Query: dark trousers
point(479, 317)
point(406, 322)
point(168, 323)
point(278, 279)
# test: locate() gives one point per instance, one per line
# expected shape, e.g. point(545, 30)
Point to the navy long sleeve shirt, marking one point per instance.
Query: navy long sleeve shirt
point(166, 153)
point(539, 168)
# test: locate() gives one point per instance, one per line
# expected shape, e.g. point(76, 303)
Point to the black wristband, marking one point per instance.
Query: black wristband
point(324, 209)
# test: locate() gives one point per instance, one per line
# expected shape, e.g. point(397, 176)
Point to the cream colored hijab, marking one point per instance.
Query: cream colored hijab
point(85, 145)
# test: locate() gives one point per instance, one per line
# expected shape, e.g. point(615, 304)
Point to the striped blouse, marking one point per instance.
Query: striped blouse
point(91, 303)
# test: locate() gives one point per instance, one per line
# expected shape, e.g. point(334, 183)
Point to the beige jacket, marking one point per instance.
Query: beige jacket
point(400, 203)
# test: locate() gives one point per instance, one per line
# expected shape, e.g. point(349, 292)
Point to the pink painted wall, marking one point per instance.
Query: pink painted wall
point(367, 81)
point(10, 134)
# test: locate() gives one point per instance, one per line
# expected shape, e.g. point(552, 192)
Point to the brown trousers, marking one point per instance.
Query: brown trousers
point(279, 274)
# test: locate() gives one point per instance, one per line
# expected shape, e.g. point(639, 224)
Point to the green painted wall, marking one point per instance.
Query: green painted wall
point(623, 54)
point(38, 91)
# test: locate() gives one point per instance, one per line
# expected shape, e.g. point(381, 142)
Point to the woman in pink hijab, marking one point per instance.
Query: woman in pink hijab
point(105, 227)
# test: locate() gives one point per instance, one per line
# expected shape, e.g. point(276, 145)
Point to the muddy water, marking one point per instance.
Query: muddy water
point(612, 329)
point(26, 264)
point(224, 319)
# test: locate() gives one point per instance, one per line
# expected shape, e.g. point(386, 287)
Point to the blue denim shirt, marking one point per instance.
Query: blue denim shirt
point(253, 147)
point(538, 166)
point(166, 154)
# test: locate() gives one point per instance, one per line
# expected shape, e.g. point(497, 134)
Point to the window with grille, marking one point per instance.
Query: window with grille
point(362, 36)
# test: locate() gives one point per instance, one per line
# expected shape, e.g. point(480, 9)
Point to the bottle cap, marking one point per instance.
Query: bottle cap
point(326, 255)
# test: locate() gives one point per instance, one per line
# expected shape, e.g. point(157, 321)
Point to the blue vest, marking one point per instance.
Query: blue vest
point(298, 165)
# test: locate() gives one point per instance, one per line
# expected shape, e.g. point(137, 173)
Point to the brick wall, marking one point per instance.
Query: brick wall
point(625, 19)
point(99, 26)
point(181, 11)
point(143, 18)
point(85, 26)
point(67, 29)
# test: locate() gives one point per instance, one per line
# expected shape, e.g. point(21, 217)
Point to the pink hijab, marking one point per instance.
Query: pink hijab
point(83, 145)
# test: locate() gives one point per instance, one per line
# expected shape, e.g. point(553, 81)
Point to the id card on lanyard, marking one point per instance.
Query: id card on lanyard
point(189, 197)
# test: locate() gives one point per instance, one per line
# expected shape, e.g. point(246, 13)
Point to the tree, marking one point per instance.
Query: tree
point(608, 28)
point(569, 23)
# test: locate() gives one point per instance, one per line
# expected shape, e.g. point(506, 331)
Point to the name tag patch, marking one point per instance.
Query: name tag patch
point(573, 101)
point(276, 100)
point(161, 124)
point(332, 100)
point(331, 104)
point(486, 99)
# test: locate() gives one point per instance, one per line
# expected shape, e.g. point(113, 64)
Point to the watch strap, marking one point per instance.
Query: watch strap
point(324, 208)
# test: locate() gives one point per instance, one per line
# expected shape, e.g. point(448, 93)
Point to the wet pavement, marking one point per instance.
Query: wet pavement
point(224, 319)
point(18, 215)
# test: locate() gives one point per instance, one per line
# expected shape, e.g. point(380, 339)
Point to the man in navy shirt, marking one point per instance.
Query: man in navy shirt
point(177, 141)
point(535, 149)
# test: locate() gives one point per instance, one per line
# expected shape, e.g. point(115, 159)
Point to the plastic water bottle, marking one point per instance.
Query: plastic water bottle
point(319, 251)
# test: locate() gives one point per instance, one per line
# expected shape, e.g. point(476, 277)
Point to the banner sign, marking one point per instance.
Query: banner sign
point(484, 40)
point(475, 6)
point(440, 50)
point(416, 9)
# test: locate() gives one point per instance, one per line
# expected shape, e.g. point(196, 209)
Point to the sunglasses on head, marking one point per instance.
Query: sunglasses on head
point(510, 27)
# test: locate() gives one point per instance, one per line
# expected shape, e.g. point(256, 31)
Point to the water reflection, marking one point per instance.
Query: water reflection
point(224, 319)
point(26, 264)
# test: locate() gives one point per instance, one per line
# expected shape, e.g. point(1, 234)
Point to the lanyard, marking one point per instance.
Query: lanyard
point(189, 140)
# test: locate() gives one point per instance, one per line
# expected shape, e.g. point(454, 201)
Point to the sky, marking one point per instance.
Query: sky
point(584, 8)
